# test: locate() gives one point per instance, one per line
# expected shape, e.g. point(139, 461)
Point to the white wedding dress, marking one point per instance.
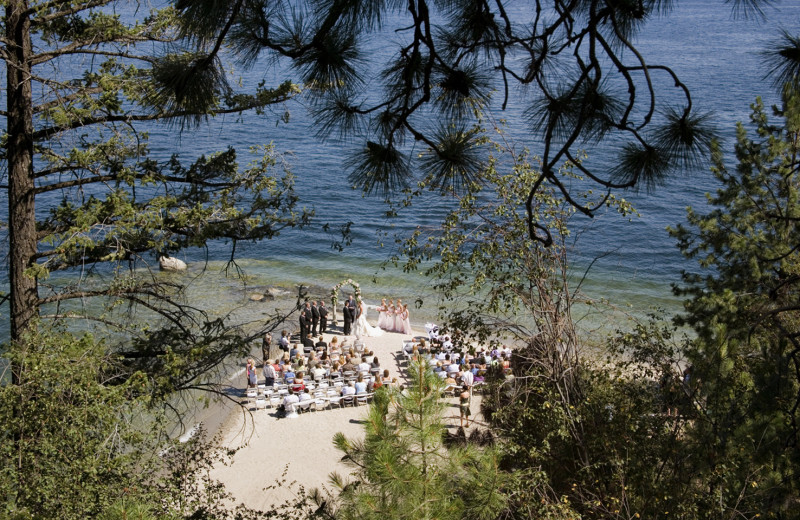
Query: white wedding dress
point(362, 328)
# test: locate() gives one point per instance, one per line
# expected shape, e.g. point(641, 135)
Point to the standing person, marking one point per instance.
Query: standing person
point(269, 373)
point(303, 325)
point(283, 343)
point(314, 318)
point(347, 312)
point(382, 314)
point(266, 346)
point(463, 405)
point(406, 320)
point(388, 321)
point(398, 317)
point(250, 373)
point(323, 317)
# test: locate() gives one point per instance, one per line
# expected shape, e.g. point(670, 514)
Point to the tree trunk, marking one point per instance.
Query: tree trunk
point(21, 197)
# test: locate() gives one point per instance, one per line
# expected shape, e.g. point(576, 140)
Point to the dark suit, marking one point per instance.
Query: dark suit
point(323, 319)
point(348, 318)
point(303, 325)
point(314, 319)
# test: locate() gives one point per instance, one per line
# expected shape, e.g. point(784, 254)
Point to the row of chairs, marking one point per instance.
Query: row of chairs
point(322, 396)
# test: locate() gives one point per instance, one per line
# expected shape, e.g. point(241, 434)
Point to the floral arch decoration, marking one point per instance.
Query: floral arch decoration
point(335, 293)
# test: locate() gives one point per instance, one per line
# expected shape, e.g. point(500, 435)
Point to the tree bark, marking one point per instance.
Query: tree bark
point(21, 193)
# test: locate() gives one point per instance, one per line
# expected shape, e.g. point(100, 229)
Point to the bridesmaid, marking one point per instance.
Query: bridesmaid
point(382, 314)
point(388, 321)
point(406, 321)
point(398, 317)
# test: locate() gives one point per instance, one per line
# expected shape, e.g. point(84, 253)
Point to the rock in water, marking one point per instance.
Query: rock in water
point(168, 263)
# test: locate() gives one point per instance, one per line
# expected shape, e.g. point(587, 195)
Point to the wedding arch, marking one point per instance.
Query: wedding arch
point(335, 294)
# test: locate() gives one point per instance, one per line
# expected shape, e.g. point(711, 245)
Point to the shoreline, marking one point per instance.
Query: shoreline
point(277, 457)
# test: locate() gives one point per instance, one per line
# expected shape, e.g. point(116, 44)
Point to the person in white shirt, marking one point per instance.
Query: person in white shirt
point(361, 386)
point(467, 378)
point(364, 366)
point(350, 389)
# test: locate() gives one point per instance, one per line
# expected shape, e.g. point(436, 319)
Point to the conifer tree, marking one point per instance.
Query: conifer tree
point(86, 198)
point(403, 470)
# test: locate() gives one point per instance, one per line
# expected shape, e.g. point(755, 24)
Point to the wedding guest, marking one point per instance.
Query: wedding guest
point(349, 389)
point(361, 386)
point(251, 374)
point(298, 385)
point(269, 373)
point(375, 363)
point(323, 317)
point(266, 345)
point(283, 343)
point(363, 366)
point(463, 405)
point(386, 380)
point(321, 345)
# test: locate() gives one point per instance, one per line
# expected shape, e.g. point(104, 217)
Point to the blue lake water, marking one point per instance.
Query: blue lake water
point(713, 53)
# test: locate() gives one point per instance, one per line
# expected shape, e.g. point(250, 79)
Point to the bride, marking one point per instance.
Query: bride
point(361, 327)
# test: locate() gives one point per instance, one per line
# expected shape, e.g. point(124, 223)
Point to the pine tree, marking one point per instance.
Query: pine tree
point(403, 470)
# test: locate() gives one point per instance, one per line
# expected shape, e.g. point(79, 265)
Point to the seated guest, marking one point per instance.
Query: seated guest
point(335, 369)
point(335, 345)
point(375, 365)
point(298, 385)
point(423, 347)
point(348, 365)
point(308, 342)
point(349, 389)
point(452, 367)
point(319, 373)
point(447, 344)
point(312, 361)
point(289, 401)
point(321, 344)
point(269, 373)
point(288, 373)
point(442, 374)
point(449, 380)
point(373, 385)
point(386, 380)
point(361, 386)
point(324, 360)
point(283, 343)
point(294, 351)
point(299, 364)
point(363, 366)
point(438, 367)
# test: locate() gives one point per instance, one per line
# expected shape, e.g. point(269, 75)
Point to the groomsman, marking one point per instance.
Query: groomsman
point(304, 323)
point(314, 318)
point(323, 317)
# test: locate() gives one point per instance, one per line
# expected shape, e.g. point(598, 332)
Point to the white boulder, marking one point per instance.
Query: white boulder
point(168, 263)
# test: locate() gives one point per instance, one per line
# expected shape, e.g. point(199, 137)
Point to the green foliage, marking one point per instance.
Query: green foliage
point(489, 274)
point(403, 470)
point(743, 303)
point(72, 440)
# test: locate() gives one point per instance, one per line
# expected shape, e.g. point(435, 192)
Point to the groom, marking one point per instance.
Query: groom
point(348, 317)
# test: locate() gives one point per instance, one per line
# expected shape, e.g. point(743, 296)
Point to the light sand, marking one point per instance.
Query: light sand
point(302, 446)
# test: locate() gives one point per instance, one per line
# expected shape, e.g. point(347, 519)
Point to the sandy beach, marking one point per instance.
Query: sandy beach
point(302, 446)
